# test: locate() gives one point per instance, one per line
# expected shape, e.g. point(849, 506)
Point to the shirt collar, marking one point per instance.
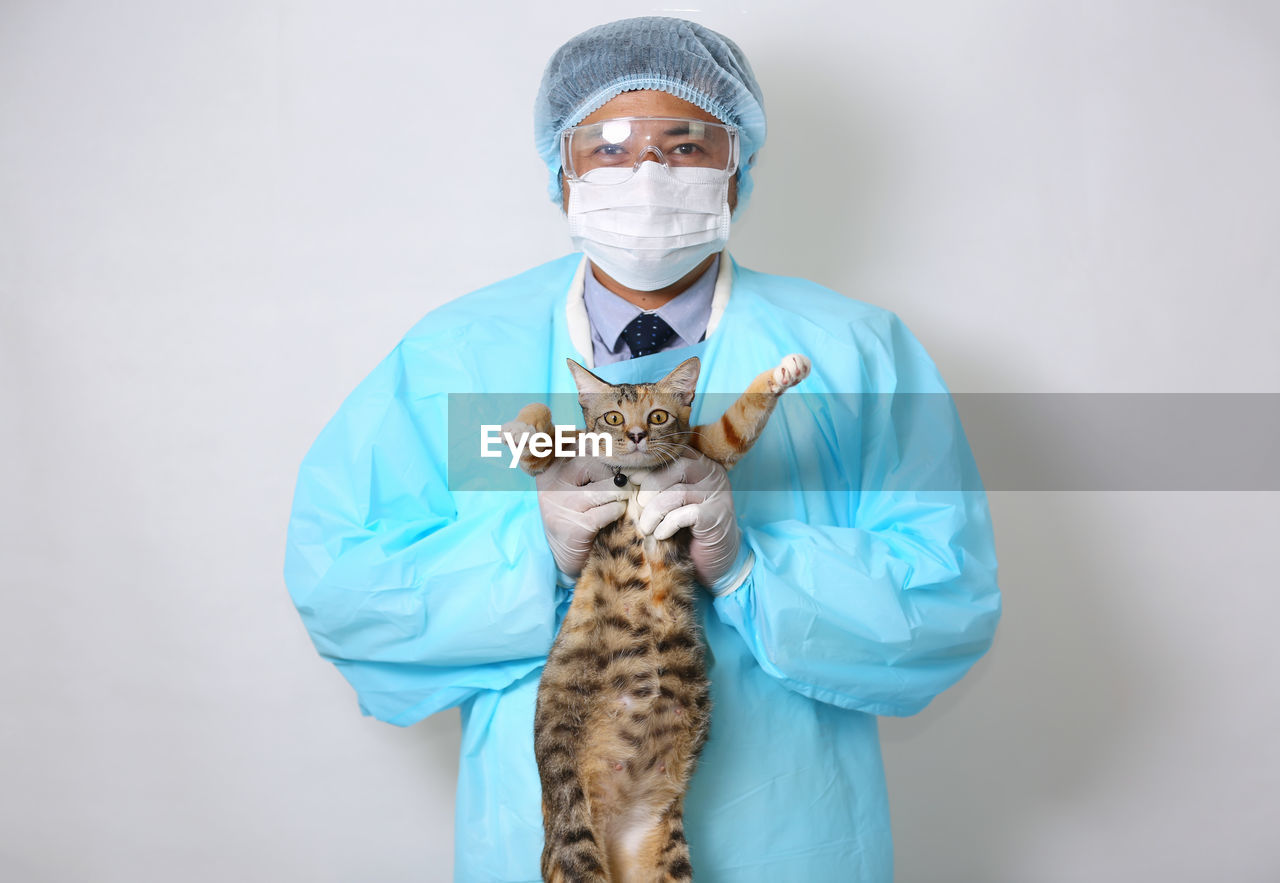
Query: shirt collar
point(687, 313)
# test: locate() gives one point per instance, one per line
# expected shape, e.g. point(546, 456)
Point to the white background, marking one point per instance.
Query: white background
point(216, 218)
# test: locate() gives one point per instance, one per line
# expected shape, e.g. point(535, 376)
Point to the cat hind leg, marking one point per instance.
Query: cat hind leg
point(668, 851)
point(574, 856)
point(573, 849)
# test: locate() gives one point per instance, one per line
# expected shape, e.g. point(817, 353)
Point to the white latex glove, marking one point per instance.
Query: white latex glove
point(693, 492)
point(577, 498)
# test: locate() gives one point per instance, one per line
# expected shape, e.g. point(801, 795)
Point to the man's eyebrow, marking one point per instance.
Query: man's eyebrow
point(682, 129)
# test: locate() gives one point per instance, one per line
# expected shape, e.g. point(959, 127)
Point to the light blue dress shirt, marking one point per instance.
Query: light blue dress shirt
point(687, 313)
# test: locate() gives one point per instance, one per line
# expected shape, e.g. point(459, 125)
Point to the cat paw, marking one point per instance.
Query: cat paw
point(532, 420)
point(793, 369)
point(516, 434)
point(516, 430)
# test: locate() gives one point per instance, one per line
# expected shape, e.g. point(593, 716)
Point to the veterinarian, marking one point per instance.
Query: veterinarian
point(851, 574)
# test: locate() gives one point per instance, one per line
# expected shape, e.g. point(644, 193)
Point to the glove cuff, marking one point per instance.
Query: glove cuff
point(737, 574)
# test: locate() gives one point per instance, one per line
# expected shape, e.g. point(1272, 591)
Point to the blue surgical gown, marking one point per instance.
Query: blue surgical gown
point(872, 585)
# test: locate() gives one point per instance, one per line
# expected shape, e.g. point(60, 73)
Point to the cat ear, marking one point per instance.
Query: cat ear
point(682, 381)
point(588, 383)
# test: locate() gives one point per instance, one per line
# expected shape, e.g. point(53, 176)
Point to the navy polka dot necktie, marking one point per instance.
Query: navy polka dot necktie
point(646, 334)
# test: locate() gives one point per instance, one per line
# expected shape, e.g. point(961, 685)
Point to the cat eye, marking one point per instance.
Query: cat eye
point(613, 418)
point(657, 418)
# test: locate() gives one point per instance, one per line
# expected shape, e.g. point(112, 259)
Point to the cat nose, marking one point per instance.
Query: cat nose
point(636, 435)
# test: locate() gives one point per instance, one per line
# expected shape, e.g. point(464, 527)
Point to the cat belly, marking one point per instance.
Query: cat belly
point(623, 705)
point(631, 783)
point(646, 753)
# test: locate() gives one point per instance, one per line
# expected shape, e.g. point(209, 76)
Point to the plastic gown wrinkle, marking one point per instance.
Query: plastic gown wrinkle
point(907, 444)
point(396, 589)
point(867, 597)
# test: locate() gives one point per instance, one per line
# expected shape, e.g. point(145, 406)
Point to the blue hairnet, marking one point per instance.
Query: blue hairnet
point(667, 54)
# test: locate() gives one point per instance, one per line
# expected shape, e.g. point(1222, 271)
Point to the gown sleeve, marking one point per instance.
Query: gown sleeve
point(881, 609)
point(421, 596)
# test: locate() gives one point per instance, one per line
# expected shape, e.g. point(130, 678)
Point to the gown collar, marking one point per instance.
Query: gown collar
point(578, 331)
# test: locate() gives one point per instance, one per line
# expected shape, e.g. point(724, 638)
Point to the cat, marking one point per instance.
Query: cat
point(623, 706)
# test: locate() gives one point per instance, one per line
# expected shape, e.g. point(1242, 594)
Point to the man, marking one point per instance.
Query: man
point(856, 578)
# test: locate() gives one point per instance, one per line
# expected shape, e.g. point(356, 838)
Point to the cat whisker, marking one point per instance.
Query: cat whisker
point(685, 447)
point(665, 456)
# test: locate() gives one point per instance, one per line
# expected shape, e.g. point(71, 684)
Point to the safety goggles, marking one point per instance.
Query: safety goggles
point(627, 142)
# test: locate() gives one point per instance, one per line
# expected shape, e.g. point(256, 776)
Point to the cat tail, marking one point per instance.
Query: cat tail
point(728, 438)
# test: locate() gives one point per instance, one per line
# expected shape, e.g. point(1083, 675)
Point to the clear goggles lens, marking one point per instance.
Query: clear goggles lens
point(625, 143)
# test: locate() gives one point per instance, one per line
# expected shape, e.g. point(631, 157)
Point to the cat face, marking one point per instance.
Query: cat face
point(648, 422)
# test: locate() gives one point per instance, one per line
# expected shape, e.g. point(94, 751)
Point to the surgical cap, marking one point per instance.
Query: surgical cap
point(667, 54)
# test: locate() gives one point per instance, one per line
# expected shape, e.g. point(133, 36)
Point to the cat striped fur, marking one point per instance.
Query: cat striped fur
point(624, 706)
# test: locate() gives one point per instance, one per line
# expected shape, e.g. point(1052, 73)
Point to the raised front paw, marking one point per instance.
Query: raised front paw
point(532, 420)
point(793, 369)
point(537, 416)
point(516, 434)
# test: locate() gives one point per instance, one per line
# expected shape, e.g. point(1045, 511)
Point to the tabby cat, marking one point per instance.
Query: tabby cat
point(623, 706)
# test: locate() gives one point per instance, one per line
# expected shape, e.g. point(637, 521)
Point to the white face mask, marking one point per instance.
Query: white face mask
point(653, 228)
